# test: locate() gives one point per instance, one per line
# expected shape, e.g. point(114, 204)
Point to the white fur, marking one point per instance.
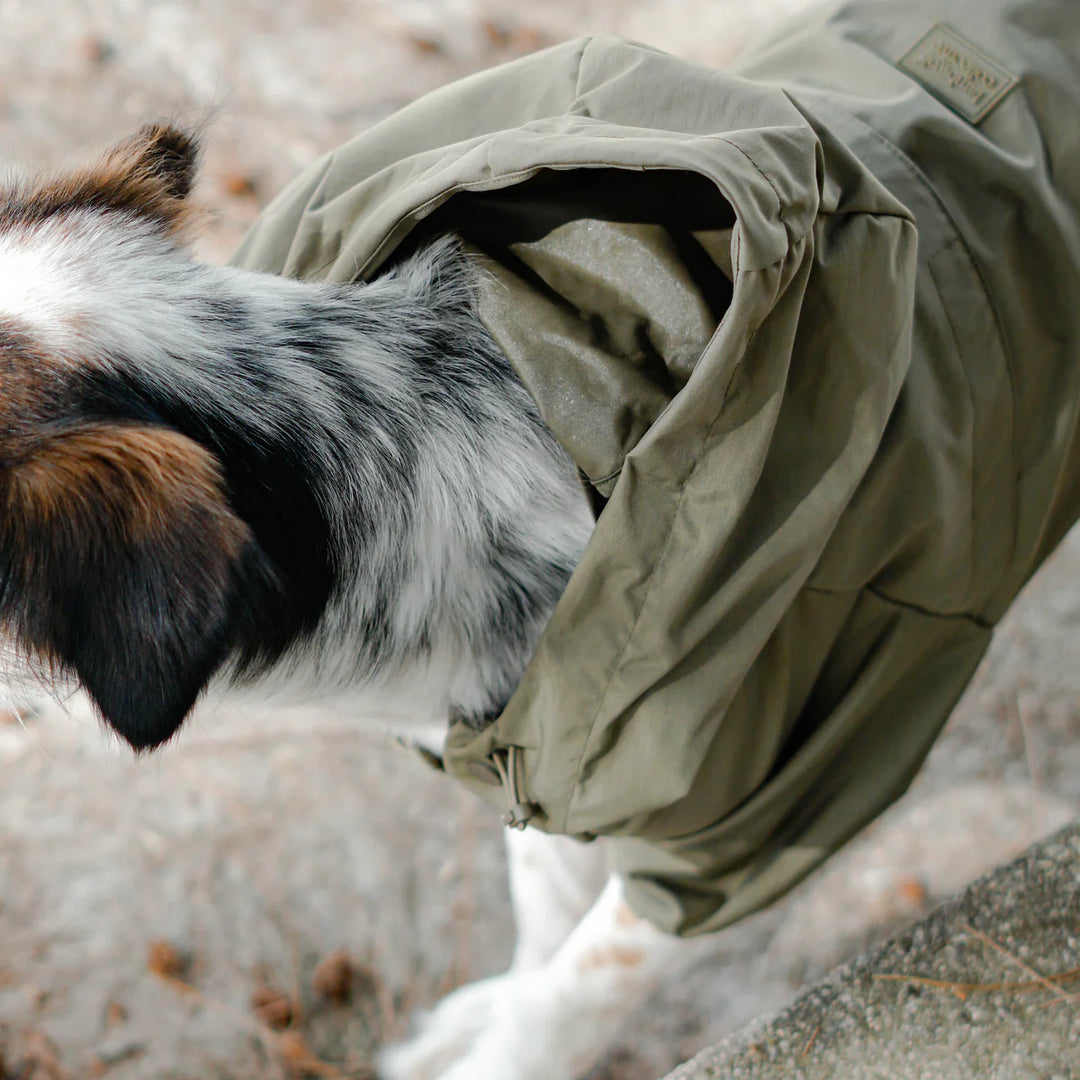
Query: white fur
point(551, 1016)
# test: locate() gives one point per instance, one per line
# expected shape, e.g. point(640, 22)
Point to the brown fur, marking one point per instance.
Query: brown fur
point(150, 175)
point(136, 481)
point(615, 956)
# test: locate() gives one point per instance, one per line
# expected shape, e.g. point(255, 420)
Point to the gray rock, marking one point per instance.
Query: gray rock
point(987, 986)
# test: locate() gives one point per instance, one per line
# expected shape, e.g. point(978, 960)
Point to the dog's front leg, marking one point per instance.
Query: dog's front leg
point(554, 880)
point(553, 1022)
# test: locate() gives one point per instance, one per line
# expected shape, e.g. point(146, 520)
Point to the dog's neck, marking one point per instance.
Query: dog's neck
point(414, 521)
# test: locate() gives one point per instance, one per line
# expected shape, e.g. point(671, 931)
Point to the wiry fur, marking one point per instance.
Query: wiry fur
point(209, 472)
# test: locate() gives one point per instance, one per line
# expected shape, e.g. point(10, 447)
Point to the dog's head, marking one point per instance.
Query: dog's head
point(137, 546)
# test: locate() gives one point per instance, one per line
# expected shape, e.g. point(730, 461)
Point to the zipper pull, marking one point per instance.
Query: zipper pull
point(519, 811)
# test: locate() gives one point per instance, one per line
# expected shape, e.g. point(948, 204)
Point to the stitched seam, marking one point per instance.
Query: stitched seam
point(764, 176)
point(905, 605)
point(916, 174)
point(978, 620)
point(971, 400)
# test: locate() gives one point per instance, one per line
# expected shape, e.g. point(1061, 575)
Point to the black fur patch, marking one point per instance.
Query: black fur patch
point(269, 483)
point(121, 563)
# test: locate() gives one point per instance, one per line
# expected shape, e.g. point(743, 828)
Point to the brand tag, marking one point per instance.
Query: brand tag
point(957, 73)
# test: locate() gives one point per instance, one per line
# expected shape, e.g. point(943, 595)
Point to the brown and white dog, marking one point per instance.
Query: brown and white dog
point(215, 477)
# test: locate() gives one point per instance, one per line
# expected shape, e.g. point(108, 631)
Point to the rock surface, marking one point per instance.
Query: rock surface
point(987, 986)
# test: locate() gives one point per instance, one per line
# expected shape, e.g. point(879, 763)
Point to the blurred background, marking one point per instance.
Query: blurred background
point(199, 914)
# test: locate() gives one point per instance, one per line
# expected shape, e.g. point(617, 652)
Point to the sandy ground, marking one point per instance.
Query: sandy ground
point(259, 844)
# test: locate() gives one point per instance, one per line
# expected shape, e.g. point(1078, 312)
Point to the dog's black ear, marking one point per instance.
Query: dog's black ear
point(121, 562)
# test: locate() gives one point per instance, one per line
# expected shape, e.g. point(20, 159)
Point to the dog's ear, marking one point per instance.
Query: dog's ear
point(121, 562)
point(158, 154)
point(150, 174)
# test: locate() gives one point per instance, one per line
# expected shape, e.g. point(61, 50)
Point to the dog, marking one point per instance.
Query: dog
point(215, 478)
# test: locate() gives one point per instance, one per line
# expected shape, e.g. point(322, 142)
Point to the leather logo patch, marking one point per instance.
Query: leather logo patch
point(957, 73)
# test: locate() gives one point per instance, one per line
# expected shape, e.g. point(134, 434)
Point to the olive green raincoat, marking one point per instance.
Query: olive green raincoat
point(810, 331)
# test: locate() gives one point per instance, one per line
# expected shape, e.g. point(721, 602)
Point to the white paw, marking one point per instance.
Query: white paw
point(499, 1029)
point(445, 1034)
